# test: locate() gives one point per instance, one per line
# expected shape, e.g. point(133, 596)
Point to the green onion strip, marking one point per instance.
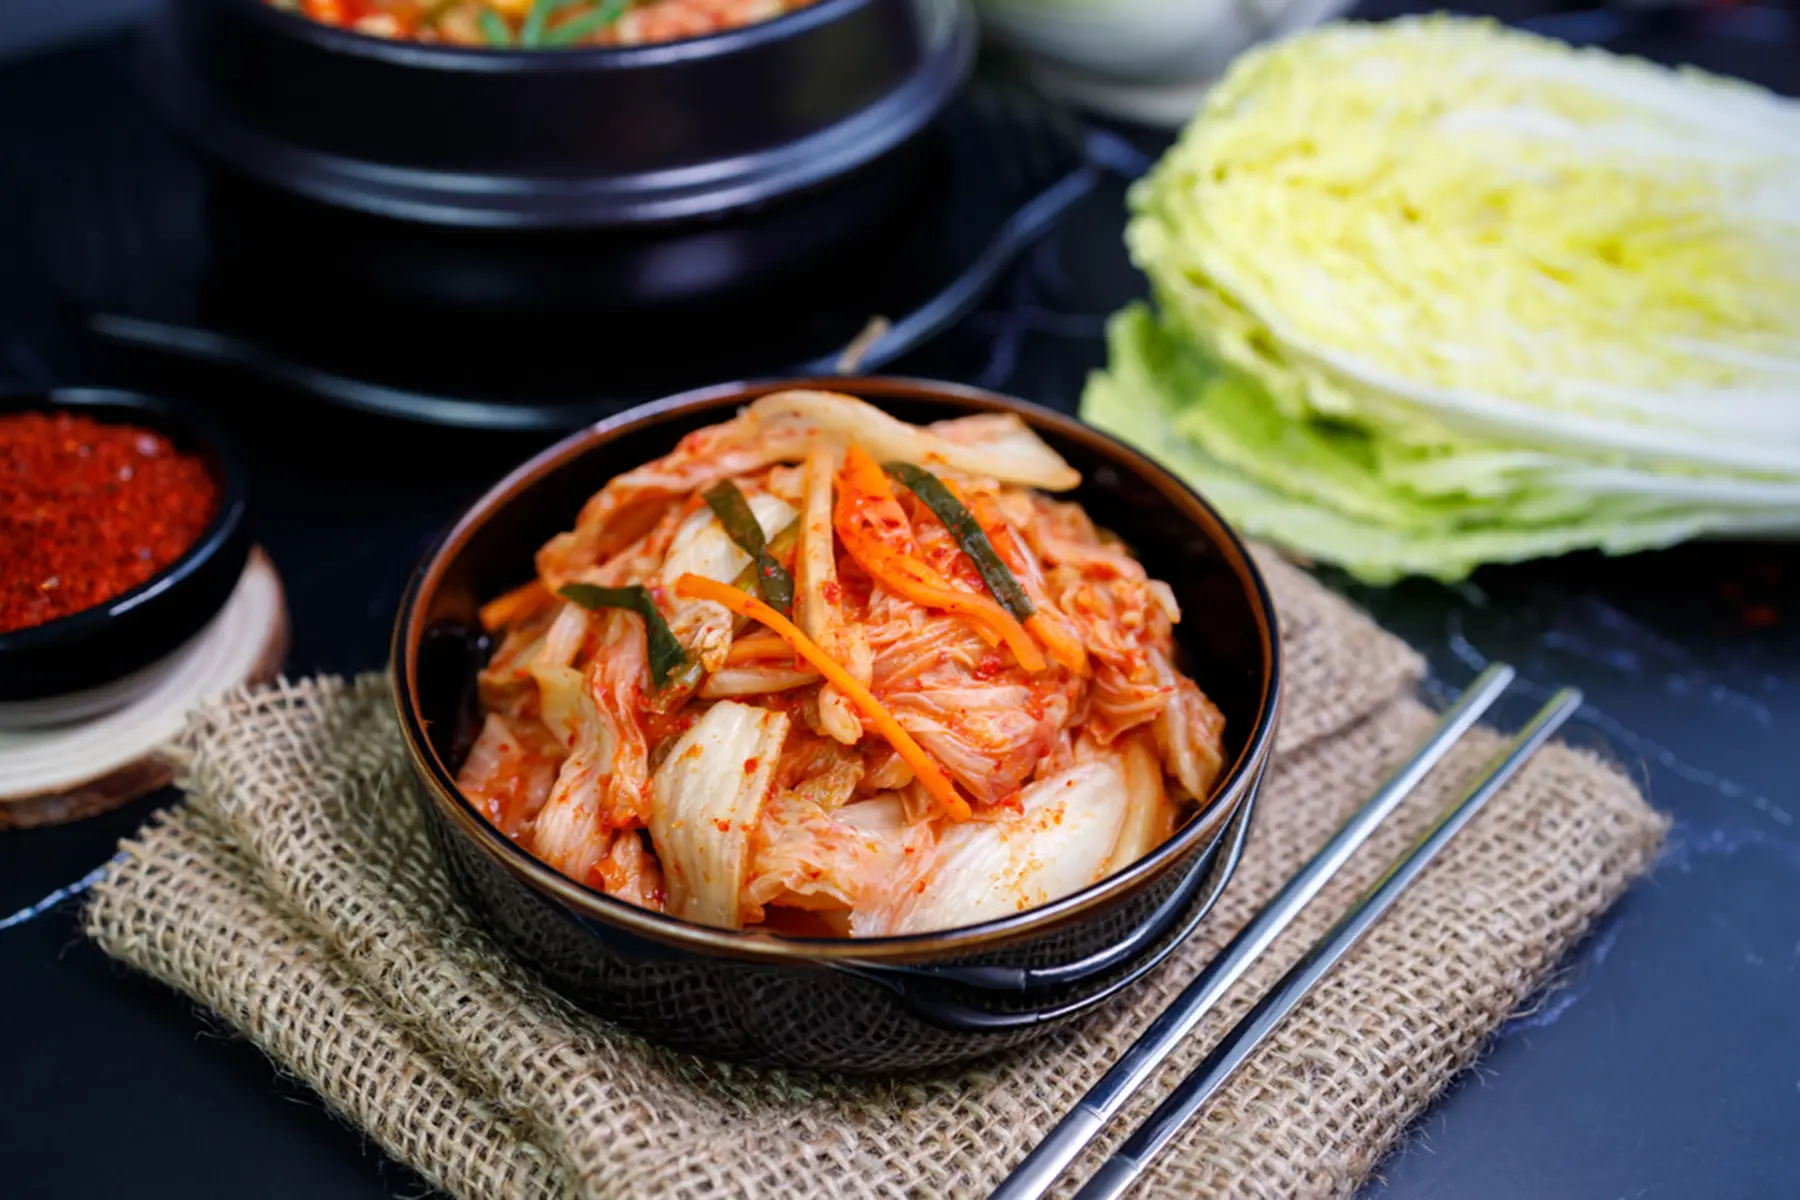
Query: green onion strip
point(537, 21)
point(494, 28)
point(968, 534)
point(665, 652)
point(689, 677)
point(588, 22)
point(741, 525)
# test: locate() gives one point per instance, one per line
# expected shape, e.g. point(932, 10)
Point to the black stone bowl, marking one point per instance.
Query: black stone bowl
point(100, 646)
point(513, 181)
point(877, 1004)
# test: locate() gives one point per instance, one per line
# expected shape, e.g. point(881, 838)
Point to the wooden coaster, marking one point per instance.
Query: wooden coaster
point(62, 773)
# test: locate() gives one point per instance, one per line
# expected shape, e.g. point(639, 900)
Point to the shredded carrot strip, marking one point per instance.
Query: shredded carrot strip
point(523, 601)
point(1063, 645)
point(870, 521)
point(757, 648)
point(745, 605)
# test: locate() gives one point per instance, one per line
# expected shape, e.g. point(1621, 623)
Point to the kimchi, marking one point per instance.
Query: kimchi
point(825, 672)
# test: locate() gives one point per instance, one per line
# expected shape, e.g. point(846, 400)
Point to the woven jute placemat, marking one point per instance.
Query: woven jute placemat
point(293, 895)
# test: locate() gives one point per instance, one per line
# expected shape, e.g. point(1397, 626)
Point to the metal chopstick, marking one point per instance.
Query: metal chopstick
point(1120, 1171)
point(1040, 1169)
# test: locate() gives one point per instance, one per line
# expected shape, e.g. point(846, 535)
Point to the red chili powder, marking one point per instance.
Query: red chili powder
point(89, 511)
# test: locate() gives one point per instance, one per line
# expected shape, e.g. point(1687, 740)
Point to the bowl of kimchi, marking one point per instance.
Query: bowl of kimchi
point(850, 731)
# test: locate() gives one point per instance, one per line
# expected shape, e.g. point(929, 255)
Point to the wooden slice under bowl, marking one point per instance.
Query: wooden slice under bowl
point(53, 774)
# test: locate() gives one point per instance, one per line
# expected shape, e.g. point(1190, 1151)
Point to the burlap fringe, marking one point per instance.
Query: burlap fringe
point(294, 896)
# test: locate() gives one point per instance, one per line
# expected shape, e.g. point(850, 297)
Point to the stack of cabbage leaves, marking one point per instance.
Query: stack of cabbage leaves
point(1432, 293)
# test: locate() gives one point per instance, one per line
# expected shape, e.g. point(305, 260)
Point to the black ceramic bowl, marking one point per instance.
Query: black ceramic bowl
point(101, 645)
point(841, 1004)
point(500, 180)
point(556, 138)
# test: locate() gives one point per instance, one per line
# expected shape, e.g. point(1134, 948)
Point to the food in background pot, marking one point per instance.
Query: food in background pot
point(541, 24)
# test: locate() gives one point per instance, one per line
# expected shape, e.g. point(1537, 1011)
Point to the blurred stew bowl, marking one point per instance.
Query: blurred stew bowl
point(838, 1003)
point(656, 173)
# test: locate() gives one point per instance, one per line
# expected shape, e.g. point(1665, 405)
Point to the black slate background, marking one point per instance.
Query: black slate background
point(1668, 1066)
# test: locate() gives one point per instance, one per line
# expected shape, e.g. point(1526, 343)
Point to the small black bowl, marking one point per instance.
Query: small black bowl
point(875, 1004)
point(105, 643)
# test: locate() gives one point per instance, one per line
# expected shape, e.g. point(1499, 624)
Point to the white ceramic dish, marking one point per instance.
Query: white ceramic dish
point(1142, 60)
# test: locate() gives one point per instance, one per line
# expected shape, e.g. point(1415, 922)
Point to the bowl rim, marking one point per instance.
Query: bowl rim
point(1236, 784)
point(202, 436)
point(513, 59)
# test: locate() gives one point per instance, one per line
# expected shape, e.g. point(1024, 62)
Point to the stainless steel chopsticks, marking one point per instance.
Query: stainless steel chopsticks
point(1033, 1177)
point(1120, 1171)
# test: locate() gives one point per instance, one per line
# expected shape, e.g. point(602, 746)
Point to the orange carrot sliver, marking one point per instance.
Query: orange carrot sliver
point(757, 648)
point(1064, 648)
point(523, 601)
point(1059, 642)
point(698, 587)
point(985, 613)
point(862, 483)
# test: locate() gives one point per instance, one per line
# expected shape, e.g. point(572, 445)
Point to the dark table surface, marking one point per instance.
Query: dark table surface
point(1667, 1065)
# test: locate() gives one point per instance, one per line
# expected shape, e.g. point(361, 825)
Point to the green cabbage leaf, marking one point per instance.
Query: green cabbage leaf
point(1431, 293)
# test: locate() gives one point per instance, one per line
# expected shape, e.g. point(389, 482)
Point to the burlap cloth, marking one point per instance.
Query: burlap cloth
point(294, 896)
